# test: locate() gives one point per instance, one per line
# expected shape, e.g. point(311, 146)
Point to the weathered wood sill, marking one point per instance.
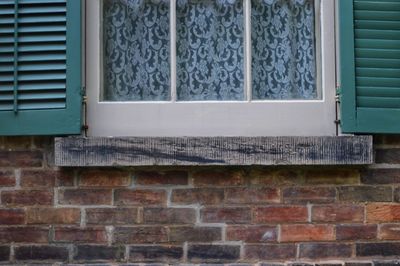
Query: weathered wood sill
point(197, 151)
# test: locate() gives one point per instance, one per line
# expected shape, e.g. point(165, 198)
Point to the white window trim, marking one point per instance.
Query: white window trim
point(247, 118)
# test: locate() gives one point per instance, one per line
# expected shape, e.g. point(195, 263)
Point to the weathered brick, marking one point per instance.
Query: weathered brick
point(251, 233)
point(357, 263)
point(12, 216)
point(85, 196)
point(99, 253)
point(383, 213)
point(213, 253)
point(38, 178)
point(309, 194)
point(307, 232)
point(169, 216)
point(390, 156)
point(389, 232)
point(195, 234)
point(112, 216)
point(139, 197)
point(338, 213)
point(216, 178)
point(380, 176)
point(82, 235)
point(203, 196)
point(151, 178)
point(21, 158)
point(252, 195)
point(65, 178)
point(41, 253)
point(156, 253)
point(325, 250)
point(104, 178)
point(276, 214)
point(53, 216)
point(397, 195)
point(275, 177)
point(24, 235)
point(4, 253)
point(13, 143)
point(27, 197)
point(233, 215)
point(141, 234)
point(7, 178)
point(270, 252)
point(365, 194)
point(332, 176)
point(386, 262)
point(356, 232)
point(377, 249)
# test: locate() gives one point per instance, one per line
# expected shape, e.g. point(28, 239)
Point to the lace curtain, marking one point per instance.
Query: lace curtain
point(283, 49)
point(210, 50)
point(136, 50)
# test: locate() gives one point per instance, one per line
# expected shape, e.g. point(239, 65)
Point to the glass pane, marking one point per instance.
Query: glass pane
point(283, 49)
point(210, 50)
point(136, 50)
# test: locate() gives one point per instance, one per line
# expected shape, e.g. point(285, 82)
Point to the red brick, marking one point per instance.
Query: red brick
point(356, 232)
point(233, 215)
point(140, 235)
point(38, 178)
point(275, 177)
point(85, 196)
point(251, 233)
point(7, 178)
point(325, 250)
point(104, 178)
point(53, 216)
point(270, 252)
point(65, 178)
point(276, 214)
point(252, 195)
point(169, 216)
point(383, 213)
point(149, 178)
point(298, 195)
point(27, 197)
point(21, 159)
point(389, 232)
point(307, 232)
point(194, 234)
point(203, 196)
point(338, 213)
point(41, 253)
point(157, 253)
point(12, 216)
point(390, 156)
point(13, 143)
point(112, 216)
point(380, 176)
point(138, 197)
point(24, 235)
point(81, 235)
point(214, 178)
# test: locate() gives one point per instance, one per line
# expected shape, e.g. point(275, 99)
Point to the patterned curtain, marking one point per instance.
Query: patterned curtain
point(283, 49)
point(136, 52)
point(210, 50)
point(210, 61)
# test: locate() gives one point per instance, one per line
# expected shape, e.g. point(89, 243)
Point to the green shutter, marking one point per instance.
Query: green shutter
point(370, 65)
point(40, 67)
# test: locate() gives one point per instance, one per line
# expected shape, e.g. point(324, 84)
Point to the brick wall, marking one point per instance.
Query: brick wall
point(292, 215)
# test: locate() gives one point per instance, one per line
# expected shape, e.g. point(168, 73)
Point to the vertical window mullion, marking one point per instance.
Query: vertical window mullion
point(247, 52)
point(173, 49)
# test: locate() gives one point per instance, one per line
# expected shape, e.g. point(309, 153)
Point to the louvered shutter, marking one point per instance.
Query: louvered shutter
point(370, 65)
point(40, 67)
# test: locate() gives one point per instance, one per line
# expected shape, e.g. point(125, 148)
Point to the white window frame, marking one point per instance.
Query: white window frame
point(213, 118)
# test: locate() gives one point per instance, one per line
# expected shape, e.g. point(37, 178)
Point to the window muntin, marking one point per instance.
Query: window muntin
point(208, 59)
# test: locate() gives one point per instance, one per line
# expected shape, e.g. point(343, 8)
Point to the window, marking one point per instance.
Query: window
point(214, 74)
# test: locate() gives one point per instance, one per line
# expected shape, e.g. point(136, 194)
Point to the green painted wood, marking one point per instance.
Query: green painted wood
point(370, 66)
point(49, 68)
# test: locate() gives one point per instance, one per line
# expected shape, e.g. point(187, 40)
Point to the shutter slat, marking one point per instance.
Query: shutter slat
point(377, 34)
point(377, 5)
point(378, 72)
point(375, 15)
point(378, 102)
point(377, 44)
point(30, 97)
point(378, 91)
point(377, 63)
point(377, 25)
point(375, 81)
point(377, 53)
